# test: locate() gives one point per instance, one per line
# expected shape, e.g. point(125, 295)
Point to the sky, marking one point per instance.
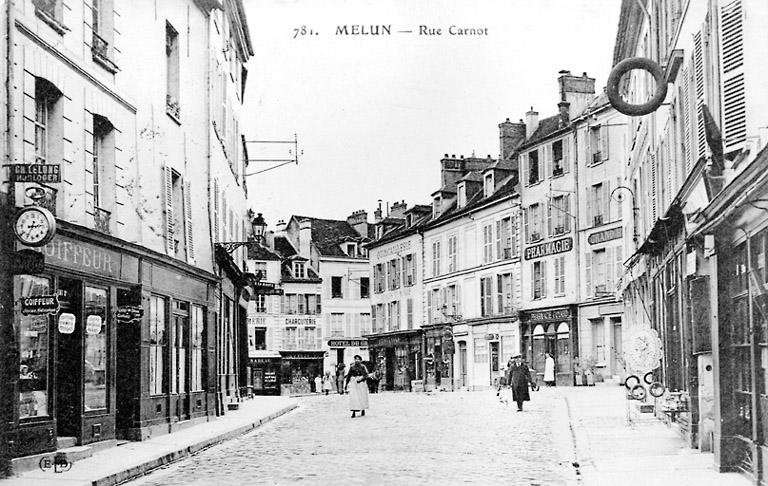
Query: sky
point(374, 115)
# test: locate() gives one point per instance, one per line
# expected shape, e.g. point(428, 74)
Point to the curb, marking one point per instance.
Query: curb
point(147, 467)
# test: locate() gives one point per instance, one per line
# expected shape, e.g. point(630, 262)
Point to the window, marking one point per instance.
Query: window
point(380, 318)
point(436, 207)
point(47, 145)
point(34, 342)
point(596, 144)
point(172, 71)
point(299, 270)
point(291, 338)
point(260, 301)
point(179, 350)
point(533, 167)
point(452, 305)
point(481, 350)
point(51, 12)
point(504, 293)
point(557, 158)
point(598, 339)
point(436, 258)
point(533, 224)
point(435, 303)
point(487, 243)
point(393, 274)
point(488, 185)
point(598, 271)
point(102, 30)
point(539, 275)
point(259, 268)
point(337, 324)
point(462, 195)
point(198, 347)
point(486, 299)
point(102, 162)
point(178, 209)
point(157, 342)
point(393, 316)
point(559, 215)
point(504, 236)
point(378, 278)
point(409, 270)
point(365, 324)
point(453, 244)
point(351, 249)
point(336, 292)
point(365, 287)
point(559, 275)
point(95, 370)
point(599, 204)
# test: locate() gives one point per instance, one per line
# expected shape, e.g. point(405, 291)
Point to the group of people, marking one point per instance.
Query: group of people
point(517, 377)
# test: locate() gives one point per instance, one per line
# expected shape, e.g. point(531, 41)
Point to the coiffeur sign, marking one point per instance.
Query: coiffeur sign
point(551, 248)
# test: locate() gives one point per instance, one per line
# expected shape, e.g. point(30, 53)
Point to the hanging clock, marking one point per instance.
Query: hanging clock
point(34, 226)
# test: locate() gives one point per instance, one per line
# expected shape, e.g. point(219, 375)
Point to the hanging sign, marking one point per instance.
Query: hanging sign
point(93, 325)
point(66, 323)
point(605, 235)
point(129, 313)
point(551, 248)
point(41, 304)
point(45, 173)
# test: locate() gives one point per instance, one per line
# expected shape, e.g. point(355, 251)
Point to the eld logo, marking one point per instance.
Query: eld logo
point(58, 463)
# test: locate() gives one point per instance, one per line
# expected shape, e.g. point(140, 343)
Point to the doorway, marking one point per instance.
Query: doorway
point(617, 351)
point(69, 358)
point(462, 363)
point(128, 333)
point(494, 361)
point(339, 356)
point(390, 363)
point(179, 355)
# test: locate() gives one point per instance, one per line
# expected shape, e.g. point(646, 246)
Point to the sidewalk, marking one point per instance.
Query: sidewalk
point(133, 459)
point(610, 452)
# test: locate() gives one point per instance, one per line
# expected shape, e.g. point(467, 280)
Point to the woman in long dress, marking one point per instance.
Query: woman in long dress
point(356, 386)
point(549, 369)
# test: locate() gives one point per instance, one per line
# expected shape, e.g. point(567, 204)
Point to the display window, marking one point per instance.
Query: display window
point(95, 350)
point(34, 345)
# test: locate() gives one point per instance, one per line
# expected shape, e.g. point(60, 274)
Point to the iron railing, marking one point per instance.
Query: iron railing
point(101, 219)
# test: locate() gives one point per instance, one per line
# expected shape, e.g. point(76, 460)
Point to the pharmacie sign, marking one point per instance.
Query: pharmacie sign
point(551, 248)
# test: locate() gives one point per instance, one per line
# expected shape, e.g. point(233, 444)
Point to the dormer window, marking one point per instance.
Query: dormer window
point(299, 271)
point(350, 249)
point(408, 220)
point(488, 185)
point(462, 197)
point(436, 207)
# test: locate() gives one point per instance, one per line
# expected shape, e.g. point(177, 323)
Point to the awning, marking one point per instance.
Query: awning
point(664, 230)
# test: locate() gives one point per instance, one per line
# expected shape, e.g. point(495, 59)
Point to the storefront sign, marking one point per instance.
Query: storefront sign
point(127, 314)
point(300, 321)
point(347, 343)
point(605, 235)
point(266, 288)
point(393, 249)
point(549, 315)
point(41, 304)
point(40, 173)
point(492, 337)
point(93, 325)
point(66, 323)
point(84, 257)
point(27, 262)
point(551, 248)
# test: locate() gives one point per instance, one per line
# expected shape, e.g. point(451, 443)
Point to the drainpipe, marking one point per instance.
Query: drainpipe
point(8, 344)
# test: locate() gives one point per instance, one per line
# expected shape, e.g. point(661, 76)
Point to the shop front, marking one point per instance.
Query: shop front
point(554, 331)
point(439, 349)
point(600, 325)
point(397, 356)
point(298, 370)
point(265, 372)
point(110, 342)
point(492, 343)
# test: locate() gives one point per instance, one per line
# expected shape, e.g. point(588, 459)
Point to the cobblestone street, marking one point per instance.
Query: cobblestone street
point(405, 438)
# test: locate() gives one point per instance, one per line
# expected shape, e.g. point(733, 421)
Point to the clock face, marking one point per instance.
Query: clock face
point(34, 226)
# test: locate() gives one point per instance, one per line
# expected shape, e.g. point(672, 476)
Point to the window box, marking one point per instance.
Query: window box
point(100, 53)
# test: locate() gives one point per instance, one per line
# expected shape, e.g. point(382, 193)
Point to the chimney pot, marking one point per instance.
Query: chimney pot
point(453, 156)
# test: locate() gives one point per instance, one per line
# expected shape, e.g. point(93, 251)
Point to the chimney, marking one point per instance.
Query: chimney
point(305, 237)
point(578, 91)
point(531, 122)
point(377, 214)
point(398, 210)
point(358, 220)
point(280, 228)
point(565, 116)
point(269, 240)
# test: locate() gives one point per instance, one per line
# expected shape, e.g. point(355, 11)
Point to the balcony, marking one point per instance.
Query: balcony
point(101, 218)
point(597, 157)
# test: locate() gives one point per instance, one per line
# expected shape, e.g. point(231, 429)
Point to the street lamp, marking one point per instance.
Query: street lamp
point(258, 229)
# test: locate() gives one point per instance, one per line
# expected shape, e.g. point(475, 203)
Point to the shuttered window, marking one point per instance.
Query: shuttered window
point(732, 75)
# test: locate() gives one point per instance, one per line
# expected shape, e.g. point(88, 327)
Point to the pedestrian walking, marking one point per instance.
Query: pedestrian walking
point(340, 378)
point(318, 384)
point(327, 383)
point(518, 379)
point(355, 384)
point(549, 370)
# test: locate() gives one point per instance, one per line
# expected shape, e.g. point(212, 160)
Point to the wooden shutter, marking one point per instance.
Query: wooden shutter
point(547, 158)
point(533, 280)
point(216, 235)
point(604, 142)
point(549, 215)
point(567, 213)
point(544, 278)
point(698, 82)
point(619, 202)
point(457, 299)
point(619, 250)
point(188, 235)
point(429, 307)
point(524, 167)
point(609, 270)
point(607, 201)
point(168, 179)
point(685, 108)
point(652, 162)
point(588, 198)
point(588, 272)
point(525, 223)
point(734, 117)
point(566, 153)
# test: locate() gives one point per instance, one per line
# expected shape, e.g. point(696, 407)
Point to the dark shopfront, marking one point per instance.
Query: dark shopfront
point(121, 356)
point(397, 356)
point(265, 373)
point(553, 331)
point(298, 371)
point(438, 357)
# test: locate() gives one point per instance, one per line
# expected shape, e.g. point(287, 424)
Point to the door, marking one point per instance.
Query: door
point(69, 358)
point(128, 354)
point(617, 351)
point(494, 362)
point(339, 356)
point(463, 363)
point(179, 362)
point(390, 365)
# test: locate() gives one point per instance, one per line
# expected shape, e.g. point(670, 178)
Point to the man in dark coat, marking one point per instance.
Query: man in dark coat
point(518, 377)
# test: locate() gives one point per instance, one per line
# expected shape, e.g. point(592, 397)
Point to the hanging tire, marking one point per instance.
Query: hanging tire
point(638, 392)
point(620, 69)
point(631, 378)
point(648, 378)
point(657, 389)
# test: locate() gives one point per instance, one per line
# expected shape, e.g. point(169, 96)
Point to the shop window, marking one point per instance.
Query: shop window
point(336, 291)
point(95, 352)
point(260, 338)
point(157, 342)
point(197, 365)
point(365, 287)
point(481, 350)
point(33, 347)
